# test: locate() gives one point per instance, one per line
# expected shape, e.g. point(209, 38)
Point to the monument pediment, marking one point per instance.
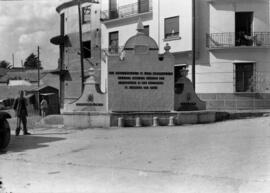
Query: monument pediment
point(141, 40)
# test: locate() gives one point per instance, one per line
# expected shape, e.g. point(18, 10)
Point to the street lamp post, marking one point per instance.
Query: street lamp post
point(38, 67)
point(81, 46)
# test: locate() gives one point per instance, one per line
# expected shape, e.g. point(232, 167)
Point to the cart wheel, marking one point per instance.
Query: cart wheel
point(4, 134)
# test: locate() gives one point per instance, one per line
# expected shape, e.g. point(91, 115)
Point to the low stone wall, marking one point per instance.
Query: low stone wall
point(136, 119)
point(236, 101)
point(83, 119)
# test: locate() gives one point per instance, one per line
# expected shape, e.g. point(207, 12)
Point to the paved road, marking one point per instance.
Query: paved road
point(225, 157)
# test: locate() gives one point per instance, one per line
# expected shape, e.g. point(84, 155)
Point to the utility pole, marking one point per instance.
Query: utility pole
point(193, 43)
point(13, 60)
point(81, 46)
point(38, 97)
point(38, 66)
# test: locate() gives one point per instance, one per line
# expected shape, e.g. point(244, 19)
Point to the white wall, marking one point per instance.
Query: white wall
point(172, 8)
point(71, 19)
point(221, 18)
point(222, 15)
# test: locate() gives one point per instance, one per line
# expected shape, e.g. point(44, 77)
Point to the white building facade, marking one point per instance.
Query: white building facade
point(232, 70)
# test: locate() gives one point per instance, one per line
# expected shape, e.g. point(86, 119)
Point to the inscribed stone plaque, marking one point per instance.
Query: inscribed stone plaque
point(141, 82)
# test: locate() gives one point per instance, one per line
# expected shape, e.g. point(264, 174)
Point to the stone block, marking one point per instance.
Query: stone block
point(225, 96)
point(129, 121)
point(260, 104)
point(147, 121)
point(265, 95)
point(207, 96)
point(186, 118)
point(217, 104)
point(221, 116)
point(230, 104)
point(267, 103)
point(246, 104)
point(86, 120)
point(163, 120)
point(206, 117)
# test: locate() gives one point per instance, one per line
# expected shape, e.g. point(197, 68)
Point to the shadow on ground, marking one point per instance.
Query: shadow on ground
point(23, 143)
point(31, 122)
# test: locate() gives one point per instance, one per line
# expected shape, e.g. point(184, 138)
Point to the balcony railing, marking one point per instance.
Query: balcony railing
point(127, 10)
point(231, 39)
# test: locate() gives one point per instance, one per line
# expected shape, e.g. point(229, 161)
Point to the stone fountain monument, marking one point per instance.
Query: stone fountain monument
point(139, 89)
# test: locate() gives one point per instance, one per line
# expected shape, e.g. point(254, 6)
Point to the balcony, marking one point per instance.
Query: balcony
point(237, 40)
point(127, 11)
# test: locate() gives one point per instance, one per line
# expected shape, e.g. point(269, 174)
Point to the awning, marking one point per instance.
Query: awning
point(64, 73)
point(59, 40)
point(19, 83)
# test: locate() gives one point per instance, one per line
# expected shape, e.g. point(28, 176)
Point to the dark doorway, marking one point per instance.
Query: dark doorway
point(87, 49)
point(243, 28)
point(113, 42)
point(143, 6)
point(179, 71)
point(243, 77)
point(113, 12)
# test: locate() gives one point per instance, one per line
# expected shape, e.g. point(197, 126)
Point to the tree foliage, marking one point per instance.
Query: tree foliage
point(32, 62)
point(4, 64)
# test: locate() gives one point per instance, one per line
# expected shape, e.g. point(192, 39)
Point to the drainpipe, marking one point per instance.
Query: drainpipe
point(158, 24)
point(193, 44)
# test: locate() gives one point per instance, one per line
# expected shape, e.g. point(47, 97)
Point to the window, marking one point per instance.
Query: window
point(87, 49)
point(113, 42)
point(244, 77)
point(143, 6)
point(146, 30)
point(171, 27)
point(86, 14)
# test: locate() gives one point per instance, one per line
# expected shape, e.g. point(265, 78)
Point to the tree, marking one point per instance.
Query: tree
point(32, 62)
point(4, 64)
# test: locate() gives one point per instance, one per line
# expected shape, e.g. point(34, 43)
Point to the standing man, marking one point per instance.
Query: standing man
point(21, 113)
point(44, 107)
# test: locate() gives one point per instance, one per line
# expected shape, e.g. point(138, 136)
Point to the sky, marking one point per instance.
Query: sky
point(26, 24)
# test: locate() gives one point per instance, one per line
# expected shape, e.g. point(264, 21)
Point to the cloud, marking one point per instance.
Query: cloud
point(33, 38)
point(26, 24)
